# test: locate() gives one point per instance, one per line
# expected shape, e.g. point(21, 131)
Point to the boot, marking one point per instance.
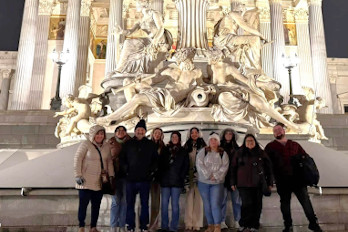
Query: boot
point(217, 228)
point(82, 229)
point(94, 229)
point(210, 228)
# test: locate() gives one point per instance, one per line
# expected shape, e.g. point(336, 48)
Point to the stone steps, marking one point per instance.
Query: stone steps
point(27, 129)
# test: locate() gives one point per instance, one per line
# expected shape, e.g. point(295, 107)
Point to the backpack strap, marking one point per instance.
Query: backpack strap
point(100, 156)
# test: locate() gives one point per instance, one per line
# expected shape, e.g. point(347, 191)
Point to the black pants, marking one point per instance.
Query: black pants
point(285, 189)
point(86, 195)
point(251, 207)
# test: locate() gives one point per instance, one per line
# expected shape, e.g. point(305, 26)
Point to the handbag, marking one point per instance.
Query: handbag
point(106, 186)
point(263, 182)
point(305, 169)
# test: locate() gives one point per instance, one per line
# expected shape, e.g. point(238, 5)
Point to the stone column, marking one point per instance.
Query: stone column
point(157, 5)
point(265, 29)
point(40, 56)
point(318, 48)
point(304, 47)
point(113, 43)
point(192, 23)
point(82, 52)
point(25, 59)
point(6, 75)
point(278, 47)
point(71, 40)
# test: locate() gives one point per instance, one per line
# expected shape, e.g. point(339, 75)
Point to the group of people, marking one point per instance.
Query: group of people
point(207, 173)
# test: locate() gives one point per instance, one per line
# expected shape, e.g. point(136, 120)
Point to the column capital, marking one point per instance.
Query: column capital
point(45, 7)
point(265, 15)
point(275, 1)
point(85, 8)
point(6, 73)
point(315, 2)
point(301, 15)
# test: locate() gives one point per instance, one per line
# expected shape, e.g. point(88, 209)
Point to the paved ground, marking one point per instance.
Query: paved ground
point(107, 229)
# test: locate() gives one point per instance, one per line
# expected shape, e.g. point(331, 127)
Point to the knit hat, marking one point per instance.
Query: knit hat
point(214, 136)
point(141, 123)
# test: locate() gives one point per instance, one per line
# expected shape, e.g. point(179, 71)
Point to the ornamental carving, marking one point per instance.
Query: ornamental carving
point(265, 15)
point(102, 30)
point(301, 15)
point(85, 8)
point(45, 7)
point(288, 15)
point(60, 8)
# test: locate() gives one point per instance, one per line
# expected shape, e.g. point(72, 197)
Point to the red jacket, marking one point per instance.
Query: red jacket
point(280, 156)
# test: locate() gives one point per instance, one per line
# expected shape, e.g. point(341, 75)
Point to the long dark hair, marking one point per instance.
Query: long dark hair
point(189, 143)
point(174, 148)
point(233, 142)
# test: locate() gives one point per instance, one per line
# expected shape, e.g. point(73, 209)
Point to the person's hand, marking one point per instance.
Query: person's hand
point(270, 187)
point(233, 187)
point(212, 178)
point(80, 180)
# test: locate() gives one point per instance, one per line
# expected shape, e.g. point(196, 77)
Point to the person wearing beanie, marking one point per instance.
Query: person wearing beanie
point(174, 166)
point(139, 163)
point(212, 165)
point(228, 141)
point(118, 207)
point(194, 204)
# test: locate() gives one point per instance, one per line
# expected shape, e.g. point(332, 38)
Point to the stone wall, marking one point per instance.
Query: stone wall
point(59, 207)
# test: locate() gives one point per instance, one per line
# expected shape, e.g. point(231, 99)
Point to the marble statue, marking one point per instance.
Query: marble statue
point(308, 113)
point(181, 78)
point(245, 49)
point(142, 55)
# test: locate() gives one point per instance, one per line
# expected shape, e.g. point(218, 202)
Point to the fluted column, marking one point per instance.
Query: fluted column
point(40, 57)
point(157, 5)
point(265, 29)
point(304, 47)
point(113, 43)
point(25, 59)
point(318, 48)
point(5, 75)
point(71, 40)
point(82, 52)
point(278, 47)
point(192, 23)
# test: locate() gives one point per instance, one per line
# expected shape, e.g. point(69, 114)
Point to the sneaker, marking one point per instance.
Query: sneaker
point(82, 229)
point(315, 227)
point(236, 225)
point(288, 229)
point(253, 230)
point(223, 225)
point(241, 228)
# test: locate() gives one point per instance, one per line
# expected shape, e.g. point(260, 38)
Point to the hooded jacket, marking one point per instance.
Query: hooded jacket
point(116, 148)
point(87, 161)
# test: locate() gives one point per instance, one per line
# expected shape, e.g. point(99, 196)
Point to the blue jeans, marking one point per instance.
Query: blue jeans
point(212, 198)
point(174, 194)
point(118, 208)
point(236, 204)
point(132, 188)
point(86, 195)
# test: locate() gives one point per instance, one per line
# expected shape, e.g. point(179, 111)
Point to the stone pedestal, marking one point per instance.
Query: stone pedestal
point(192, 24)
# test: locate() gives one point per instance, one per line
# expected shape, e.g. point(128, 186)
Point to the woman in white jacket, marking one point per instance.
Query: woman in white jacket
point(87, 170)
point(212, 164)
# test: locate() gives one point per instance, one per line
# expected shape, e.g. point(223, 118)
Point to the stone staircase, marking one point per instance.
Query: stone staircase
point(27, 129)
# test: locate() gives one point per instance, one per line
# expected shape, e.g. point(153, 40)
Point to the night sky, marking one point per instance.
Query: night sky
point(335, 20)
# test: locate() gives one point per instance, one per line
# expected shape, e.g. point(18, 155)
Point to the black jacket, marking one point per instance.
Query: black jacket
point(230, 149)
point(139, 160)
point(174, 166)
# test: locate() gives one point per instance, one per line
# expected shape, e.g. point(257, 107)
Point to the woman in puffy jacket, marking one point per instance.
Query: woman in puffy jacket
point(250, 166)
point(212, 165)
point(87, 170)
point(174, 166)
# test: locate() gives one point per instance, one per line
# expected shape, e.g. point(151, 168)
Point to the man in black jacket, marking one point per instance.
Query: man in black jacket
point(139, 163)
